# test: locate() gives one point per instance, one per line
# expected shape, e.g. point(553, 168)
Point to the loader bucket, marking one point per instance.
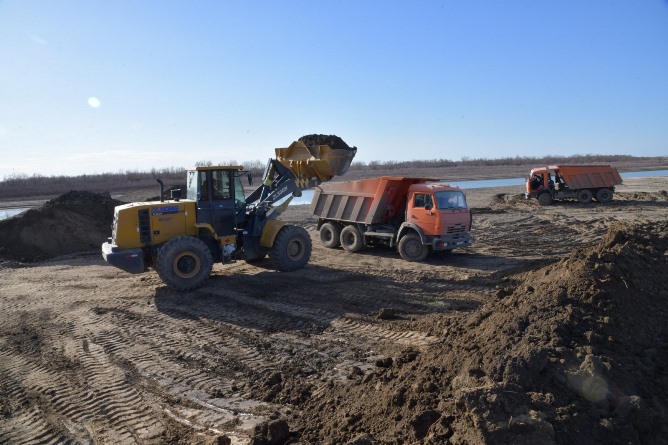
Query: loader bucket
point(315, 162)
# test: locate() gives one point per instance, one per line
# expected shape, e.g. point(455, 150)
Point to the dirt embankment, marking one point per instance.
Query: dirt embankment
point(574, 352)
point(73, 222)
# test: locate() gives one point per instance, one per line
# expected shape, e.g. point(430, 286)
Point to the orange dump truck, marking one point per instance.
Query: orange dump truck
point(582, 182)
point(415, 215)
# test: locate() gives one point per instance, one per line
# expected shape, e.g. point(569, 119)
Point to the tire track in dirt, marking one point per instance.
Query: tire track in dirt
point(172, 366)
point(109, 404)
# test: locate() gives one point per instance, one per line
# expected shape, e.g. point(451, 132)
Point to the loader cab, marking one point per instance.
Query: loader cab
point(219, 196)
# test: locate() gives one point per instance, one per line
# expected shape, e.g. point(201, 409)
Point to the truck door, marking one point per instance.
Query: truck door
point(421, 212)
point(215, 204)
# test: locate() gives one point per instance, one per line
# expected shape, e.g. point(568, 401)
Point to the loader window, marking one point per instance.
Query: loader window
point(215, 183)
point(192, 185)
point(239, 196)
point(221, 184)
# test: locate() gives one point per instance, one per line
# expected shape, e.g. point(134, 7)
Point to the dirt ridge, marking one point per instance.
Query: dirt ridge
point(549, 360)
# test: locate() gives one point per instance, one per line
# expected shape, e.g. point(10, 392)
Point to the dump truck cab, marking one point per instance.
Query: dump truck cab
point(539, 179)
point(437, 211)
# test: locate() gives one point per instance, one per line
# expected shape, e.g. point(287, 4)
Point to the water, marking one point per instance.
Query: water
point(307, 195)
point(9, 212)
point(644, 174)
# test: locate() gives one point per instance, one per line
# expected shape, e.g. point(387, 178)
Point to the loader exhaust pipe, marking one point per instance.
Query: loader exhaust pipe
point(162, 190)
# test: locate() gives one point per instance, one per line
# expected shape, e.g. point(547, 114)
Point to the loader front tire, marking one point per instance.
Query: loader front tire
point(330, 234)
point(411, 248)
point(292, 249)
point(184, 263)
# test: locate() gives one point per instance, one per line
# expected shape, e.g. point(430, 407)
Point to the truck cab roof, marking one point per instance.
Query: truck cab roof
point(433, 187)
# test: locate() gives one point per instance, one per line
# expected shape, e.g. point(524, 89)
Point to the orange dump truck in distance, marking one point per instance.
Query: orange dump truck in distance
point(414, 215)
point(581, 182)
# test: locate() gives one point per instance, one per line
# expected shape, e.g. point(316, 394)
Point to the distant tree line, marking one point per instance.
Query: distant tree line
point(22, 185)
point(516, 160)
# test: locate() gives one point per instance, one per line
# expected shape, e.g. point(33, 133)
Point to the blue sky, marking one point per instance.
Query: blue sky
point(105, 86)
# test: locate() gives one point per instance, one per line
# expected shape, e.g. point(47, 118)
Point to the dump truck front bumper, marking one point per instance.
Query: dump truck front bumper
point(129, 260)
point(448, 243)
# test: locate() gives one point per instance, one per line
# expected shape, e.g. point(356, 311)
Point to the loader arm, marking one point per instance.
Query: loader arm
point(277, 183)
point(294, 169)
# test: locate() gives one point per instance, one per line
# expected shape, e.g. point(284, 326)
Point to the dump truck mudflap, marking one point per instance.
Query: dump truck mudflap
point(129, 260)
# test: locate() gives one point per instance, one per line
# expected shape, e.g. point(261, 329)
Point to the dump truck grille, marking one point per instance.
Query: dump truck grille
point(456, 229)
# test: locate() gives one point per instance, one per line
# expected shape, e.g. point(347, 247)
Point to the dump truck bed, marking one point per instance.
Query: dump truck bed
point(588, 176)
point(366, 201)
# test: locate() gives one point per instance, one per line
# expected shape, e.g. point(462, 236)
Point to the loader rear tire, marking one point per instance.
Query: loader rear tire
point(351, 239)
point(584, 196)
point(604, 195)
point(292, 249)
point(330, 235)
point(184, 263)
point(412, 249)
point(545, 199)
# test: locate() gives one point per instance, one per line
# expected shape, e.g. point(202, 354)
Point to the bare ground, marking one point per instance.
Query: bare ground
point(551, 329)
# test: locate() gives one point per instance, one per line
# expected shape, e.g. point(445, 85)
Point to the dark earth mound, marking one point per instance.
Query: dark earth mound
point(334, 142)
point(167, 193)
point(74, 222)
point(573, 352)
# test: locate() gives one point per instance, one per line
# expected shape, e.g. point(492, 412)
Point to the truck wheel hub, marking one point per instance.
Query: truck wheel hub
point(186, 265)
point(413, 248)
point(295, 250)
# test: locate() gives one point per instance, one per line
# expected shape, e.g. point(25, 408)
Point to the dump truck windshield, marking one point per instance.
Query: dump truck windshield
point(450, 200)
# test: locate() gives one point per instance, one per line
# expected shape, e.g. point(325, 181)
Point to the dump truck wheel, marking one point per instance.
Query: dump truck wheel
point(545, 199)
point(330, 235)
point(292, 249)
point(412, 249)
point(351, 239)
point(184, 263)
point(604, 195)
point(584, 196)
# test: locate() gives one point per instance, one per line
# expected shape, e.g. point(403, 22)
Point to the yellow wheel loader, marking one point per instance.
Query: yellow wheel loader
point(182, 238)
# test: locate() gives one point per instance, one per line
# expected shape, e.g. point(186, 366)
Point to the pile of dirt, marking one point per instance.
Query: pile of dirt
point(167, 193)
point(334, 142)
point(573, 352)
point(74, 222)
